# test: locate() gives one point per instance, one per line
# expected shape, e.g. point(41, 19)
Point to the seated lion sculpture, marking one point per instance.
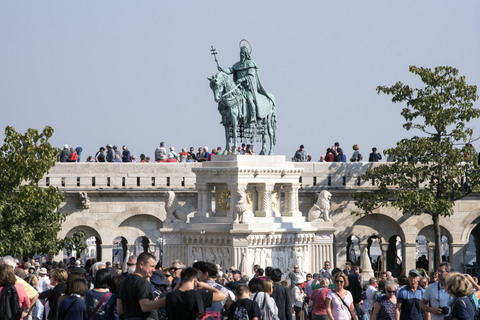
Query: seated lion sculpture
point(322, 207)
point(175, 211)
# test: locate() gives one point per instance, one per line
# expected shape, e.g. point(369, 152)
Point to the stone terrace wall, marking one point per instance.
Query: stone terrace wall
point(81, 176)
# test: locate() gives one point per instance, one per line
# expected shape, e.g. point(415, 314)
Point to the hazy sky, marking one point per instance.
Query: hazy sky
point(135, 72)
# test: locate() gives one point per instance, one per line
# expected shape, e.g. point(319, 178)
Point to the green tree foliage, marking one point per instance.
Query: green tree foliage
point(76, 243)
point(29, 214)
point(427, 176)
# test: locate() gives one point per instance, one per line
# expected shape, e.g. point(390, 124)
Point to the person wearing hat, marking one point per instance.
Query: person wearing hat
point(409, 298)
point(110, 153)
point(159, 287)
point(300, 155)
point(43, 280)
point(237, 277)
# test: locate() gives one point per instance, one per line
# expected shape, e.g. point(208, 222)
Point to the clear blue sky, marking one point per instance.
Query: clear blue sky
point(135, 72)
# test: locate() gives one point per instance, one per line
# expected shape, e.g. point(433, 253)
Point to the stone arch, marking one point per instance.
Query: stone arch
point(380, 225)
point(89, 232)
point(81, 222)
point(468, 224)
point(139, 225)
point(159, 214)
point(428, 233)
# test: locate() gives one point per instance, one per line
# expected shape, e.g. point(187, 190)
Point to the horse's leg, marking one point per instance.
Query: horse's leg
point(271, 134)
point(235, 134)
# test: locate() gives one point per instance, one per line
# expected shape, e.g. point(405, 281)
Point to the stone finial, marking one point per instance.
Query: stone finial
point(83, 200)
point(322, 207)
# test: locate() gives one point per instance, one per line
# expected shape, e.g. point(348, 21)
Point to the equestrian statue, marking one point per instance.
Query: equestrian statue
point(247, 109)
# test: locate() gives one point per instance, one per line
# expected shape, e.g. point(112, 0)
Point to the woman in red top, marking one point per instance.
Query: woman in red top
point(319, 310)
point(329, 157)
point(7, 277)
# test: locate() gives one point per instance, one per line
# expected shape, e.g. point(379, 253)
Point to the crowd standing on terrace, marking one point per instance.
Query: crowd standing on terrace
point(146, 290)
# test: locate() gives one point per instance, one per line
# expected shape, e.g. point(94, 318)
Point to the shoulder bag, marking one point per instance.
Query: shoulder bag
point(309, 314)
point(105, 297)
point(351, 316)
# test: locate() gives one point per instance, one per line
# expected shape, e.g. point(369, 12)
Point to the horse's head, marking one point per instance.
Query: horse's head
point(217, 85)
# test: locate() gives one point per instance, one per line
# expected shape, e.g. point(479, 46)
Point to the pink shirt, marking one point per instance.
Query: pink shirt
point(22, 296)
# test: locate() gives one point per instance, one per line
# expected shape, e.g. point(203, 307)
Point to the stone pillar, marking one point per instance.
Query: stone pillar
point(202, 206)
point(458, 256)
point(409, 256)
point(107, 252)
point(287, 209)
point(384, 247)
point(431, 256)
point(264, 204)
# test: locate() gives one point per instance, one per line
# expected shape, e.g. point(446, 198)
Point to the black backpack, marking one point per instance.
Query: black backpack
point(10, 304)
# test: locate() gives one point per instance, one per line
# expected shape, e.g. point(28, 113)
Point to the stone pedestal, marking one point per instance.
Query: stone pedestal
point(274, 233)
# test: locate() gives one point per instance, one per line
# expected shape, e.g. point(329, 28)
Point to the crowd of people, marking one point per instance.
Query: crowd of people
point(146, 290)
point(336, 154)
point(112, 154)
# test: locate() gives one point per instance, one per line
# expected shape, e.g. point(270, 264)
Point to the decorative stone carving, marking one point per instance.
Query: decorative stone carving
point(175, 211)
point(240, 207)
point(83, 200)
point(216, 255)
point(223, 200)
point(275, 201)
point(248, 196)
point(322, 207)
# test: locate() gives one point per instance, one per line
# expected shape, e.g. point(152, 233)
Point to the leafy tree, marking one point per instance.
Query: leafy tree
point(427, 176)
point(76, 243)
point(29, 214)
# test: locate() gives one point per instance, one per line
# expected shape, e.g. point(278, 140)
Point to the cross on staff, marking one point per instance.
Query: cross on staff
point(214, 53)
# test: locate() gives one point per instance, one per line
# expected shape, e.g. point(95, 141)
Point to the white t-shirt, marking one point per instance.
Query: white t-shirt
point(432, 295)
point(339, 310)
point(371, 297)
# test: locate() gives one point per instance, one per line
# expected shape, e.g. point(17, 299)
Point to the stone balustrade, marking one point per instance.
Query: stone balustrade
point(81, 176)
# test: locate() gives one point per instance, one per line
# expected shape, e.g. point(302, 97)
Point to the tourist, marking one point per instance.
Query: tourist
point(142, 158)
point(172, 154)
point(160, 151)
point(73, 155)
point(339, 302)
point(358, 274)
point(100, 302)
point(38, 309)
point(79, 151)
point(189, 159)
point(192, 153)
point(110, 153)
point(436, 297)
point(73, 307)
point(237, 280)
point(409, 297)
point(281, 295)
point(213, 153)
point(318, 300)
point(297, 299)
point(135, 292)
point(182, 302)
point(117, 152)
point(371, 290)
point(375, 156)
point(183, 156)
point(295, 276)
point(200, 155)
point(384, 307)
point(90, 159)
point(463, 306)
point(7, 279)
point(100, 156)
point(243, 308)
point(134, 159)
point(356, 156)
point(126, 155)
point(329, 157)
point(117, 158)
point(208, 273)
point(300, 155)
point(337, 152)
point(72, 276)
point(65, 153)
point(262, 297)
point(326, 268)
point(311, 280)
point(58, 279)
point(43, 280)
point(176, 269)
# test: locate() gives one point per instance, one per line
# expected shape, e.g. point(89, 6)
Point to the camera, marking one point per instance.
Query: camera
point(444, 310)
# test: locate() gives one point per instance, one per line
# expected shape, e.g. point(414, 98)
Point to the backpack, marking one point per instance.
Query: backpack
point(10, 304)
point(265, 313)
point(202, 314)
point(360, 157)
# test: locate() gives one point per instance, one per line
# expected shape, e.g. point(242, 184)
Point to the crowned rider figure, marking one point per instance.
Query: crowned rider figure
point(245, 73)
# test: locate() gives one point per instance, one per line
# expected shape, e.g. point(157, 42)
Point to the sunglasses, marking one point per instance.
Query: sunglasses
point(394, 292)
point(174, 269)
point(338, 281)
point(130, 264)
point(168, 275)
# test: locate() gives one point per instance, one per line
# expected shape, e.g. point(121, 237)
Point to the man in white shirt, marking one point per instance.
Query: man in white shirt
point(435, 296)
point(43, 280)
point(372, 288)
point(327, 268)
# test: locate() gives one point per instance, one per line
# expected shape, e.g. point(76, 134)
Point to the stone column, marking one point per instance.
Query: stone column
point(107, 252)
point(409, 256)
point(264, 206)
point(202, 206)
point(431, 256)
point(232, 187)
point(384, 247)
point(458, 256)
point(287, 209)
